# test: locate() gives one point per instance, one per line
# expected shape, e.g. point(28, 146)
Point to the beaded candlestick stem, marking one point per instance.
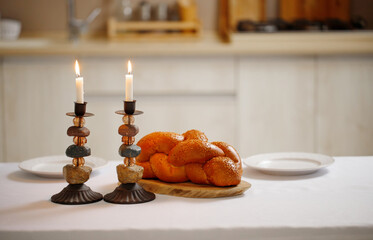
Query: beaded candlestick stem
point(77, 174)
point(129, 192)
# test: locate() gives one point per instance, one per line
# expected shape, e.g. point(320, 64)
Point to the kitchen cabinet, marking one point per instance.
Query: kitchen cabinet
point(276, 104)
point(256, 103)
point(344, 105)
point(2, 138)
point(176, 94)
point(315, 104)
point(35, 91)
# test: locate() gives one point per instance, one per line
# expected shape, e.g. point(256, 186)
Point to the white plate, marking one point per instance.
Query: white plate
point(288, 163)
point(51, 166)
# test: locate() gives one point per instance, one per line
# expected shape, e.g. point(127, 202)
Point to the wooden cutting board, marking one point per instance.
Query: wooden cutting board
point(192, 190)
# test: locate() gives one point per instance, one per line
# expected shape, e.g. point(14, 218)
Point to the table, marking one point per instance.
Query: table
point(333, 203)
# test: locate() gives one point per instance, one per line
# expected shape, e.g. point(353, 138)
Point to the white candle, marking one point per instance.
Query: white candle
point(79, 84)
point(129, 83)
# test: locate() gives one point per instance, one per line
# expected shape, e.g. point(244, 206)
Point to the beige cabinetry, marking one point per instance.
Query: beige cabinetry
point(276, 104)
point(258, 104)
point(35, 91)
point(2, 133)
point(176, 94)
point(317, 104)
point(344, 105)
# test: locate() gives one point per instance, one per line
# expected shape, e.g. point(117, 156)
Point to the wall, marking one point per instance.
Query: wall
point(46, 15)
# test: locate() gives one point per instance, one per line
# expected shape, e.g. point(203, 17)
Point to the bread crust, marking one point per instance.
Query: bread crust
point(172, 157)
point(166, 171)
point(193, 151)
point(195, 134)
point(221, 171)
point(157, 142)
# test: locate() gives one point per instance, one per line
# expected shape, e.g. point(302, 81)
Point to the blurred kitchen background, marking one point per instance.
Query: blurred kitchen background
point(262, 75)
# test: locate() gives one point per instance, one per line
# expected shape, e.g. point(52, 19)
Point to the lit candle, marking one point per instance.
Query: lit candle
point(129, 83)
point(79, 84)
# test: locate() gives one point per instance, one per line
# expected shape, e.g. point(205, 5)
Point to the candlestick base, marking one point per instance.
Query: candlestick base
point(75, 194)
point(129, 193)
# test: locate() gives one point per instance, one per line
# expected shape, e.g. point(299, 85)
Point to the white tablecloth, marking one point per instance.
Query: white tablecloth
point(333, 203)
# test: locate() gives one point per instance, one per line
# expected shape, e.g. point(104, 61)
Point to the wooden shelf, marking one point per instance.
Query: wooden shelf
point(129, 31)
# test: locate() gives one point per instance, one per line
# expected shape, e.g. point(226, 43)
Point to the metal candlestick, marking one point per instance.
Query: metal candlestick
point(129, 192)
point(77, 174)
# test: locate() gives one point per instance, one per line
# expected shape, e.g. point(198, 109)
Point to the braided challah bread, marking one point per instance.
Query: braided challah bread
point(172, 157)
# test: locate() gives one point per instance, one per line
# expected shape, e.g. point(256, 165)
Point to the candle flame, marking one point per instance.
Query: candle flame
point(129, 67)
point(77, 69)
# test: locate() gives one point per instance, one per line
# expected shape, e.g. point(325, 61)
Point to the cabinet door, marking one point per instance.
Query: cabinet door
point(276, 104)
point(345, 105)
point(176, 94)
point(215, 116)
point(2, 133)
point(160, 75)
point(37, 94)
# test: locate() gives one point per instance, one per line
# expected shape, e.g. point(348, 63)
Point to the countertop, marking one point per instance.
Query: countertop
point(308, 43)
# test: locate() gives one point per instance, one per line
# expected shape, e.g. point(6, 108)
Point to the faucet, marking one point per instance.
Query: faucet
point(79, 26)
